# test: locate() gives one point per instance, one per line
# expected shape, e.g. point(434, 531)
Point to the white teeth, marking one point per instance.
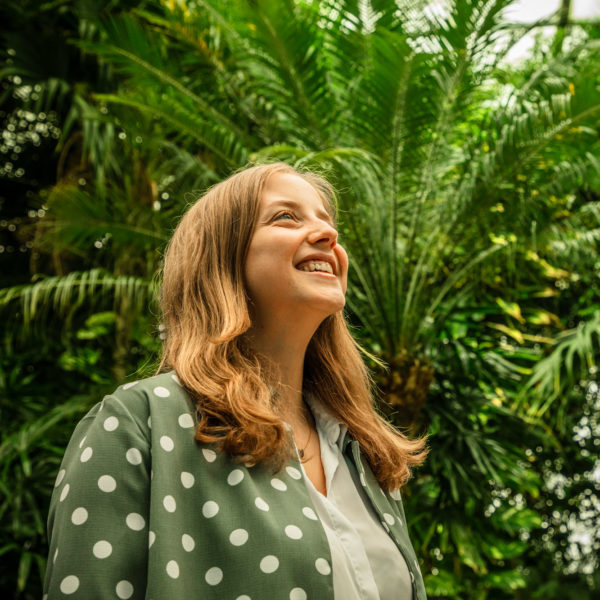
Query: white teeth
point(311, 266)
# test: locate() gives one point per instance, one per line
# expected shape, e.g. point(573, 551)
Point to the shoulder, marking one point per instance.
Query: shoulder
point(143, 395)
point(136, 402)
point(161, 386)
point(123, 421)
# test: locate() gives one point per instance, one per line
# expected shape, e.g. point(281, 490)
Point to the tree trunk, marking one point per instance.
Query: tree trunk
point(404, 388)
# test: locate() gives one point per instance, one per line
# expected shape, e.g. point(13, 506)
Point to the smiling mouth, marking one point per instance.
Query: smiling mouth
point(312, 266)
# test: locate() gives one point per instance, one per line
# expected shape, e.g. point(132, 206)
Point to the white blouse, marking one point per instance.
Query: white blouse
point(367, 564)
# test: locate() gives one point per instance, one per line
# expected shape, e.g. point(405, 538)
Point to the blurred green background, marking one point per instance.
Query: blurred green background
point(465, 146)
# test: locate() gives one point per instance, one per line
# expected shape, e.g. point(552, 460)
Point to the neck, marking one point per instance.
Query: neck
point(283, 343)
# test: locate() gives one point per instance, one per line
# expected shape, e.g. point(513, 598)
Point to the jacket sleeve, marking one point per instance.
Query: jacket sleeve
point(97, 525)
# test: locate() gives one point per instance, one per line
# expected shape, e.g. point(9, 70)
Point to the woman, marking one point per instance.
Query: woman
point(256, 467)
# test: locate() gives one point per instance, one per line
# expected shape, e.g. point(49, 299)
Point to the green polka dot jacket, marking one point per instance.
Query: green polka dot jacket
point(141, 510)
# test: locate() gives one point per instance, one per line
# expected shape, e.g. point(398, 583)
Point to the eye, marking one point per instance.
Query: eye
point(284, 216)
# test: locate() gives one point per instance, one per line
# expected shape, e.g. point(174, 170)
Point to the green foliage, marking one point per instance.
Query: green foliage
point(574, 354)
point(468, 196)
point(37, 420)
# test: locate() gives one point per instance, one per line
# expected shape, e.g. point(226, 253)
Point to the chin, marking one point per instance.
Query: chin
point(331, 307)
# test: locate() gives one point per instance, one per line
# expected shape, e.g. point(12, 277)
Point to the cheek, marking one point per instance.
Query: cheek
point(264, 269)
point(343, 262)
point(252, 272)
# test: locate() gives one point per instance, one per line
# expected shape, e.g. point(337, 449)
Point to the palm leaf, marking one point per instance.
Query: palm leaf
point(576, 352)
point(60, 296)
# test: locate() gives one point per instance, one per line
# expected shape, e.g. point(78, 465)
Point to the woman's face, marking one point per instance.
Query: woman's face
point(294, 263)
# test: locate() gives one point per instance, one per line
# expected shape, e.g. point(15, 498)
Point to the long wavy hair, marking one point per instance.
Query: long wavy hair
point(205, 311)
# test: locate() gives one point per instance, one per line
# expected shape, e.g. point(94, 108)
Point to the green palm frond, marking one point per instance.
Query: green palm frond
point(98, 140)
point(77, 219)
point(59, 296)
point(134, 51)
point(523, 133)
point(575, 353)
point(193, 173)
point(282, 54)
point(188, 123)
point(577, 235)
point(17, 445)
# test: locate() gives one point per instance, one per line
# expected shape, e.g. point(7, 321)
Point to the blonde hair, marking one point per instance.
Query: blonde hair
point(205, 313)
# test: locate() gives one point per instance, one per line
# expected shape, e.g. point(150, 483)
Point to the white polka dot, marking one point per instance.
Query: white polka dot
point(385, 526)
point(213, 576)
point(79, 516)
point(55, 556)
point(102, 549)
point(65, 492)
point(169, 503)
point(130, 384)
point(395, 494)
point(322, 566)
point(362, 480)
point(185, 420)
point(86, 454)
point(173, 569)
point(278, 484)
point(293, 532)
point(82, 442)
point(162, 392)
point(107, 483)
point(101, 406)
point(298, 594)
point(417, 565)
point(260, 503)
point(235, 477)
point(269, 564)
point(238, 537)
point(243, 597)
point(69, 584)
point(133, 456)
point(309, 513)
point(135, 521)
point(175, 379)
point(187, 479)
point(294, 474)
point(124, 589)
point(209, 455)
point(166, 443)
point(210, 509)
point(149, 422)
point(59, 477)
point(151, 538)
point(111, 423)
point(188, 543)
point(389, 519)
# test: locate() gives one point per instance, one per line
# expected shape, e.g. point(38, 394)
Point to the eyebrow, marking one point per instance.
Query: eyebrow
point(295, 204)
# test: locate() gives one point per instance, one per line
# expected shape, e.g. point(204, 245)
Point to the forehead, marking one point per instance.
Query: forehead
point(288, 189)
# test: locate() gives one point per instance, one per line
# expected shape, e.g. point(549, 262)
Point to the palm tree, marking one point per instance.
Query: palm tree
point(382, 101)
point(453, 174)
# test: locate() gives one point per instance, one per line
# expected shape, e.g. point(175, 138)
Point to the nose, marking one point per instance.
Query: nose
point(323, 233)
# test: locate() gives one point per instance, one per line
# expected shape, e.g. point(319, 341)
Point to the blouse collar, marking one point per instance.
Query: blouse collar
point(327, 425)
